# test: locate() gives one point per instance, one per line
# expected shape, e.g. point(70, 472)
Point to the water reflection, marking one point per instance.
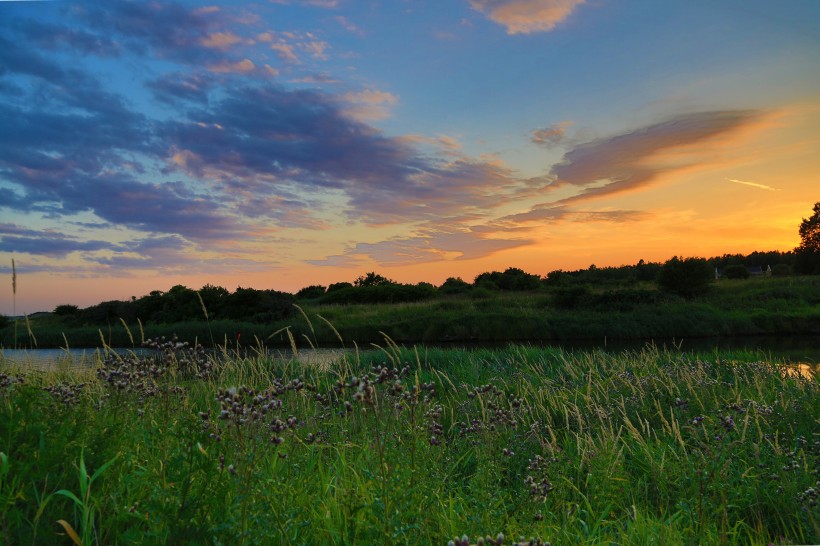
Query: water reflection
point(801, 352)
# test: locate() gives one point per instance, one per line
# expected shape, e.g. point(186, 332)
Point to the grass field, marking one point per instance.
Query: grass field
point(404, 446)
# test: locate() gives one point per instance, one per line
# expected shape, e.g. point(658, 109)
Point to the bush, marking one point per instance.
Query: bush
point(512, 279)
point(781, 270)
point(311, 292)
point(454, 285)
point(736, 272)
point(66, 310)
point(570, 297)
point(688, 277)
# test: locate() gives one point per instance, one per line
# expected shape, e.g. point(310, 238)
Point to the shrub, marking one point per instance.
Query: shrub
point(66, 310)
point(570, 297)
point(688, 277)
point(454, 285)
point(736, 272)
point(781, 270)
point(311, 292)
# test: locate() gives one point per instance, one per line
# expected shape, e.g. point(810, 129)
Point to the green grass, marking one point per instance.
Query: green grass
point(410, 446)
point(762, 306)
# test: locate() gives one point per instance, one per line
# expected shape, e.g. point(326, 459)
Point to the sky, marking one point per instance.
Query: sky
point(284, 143)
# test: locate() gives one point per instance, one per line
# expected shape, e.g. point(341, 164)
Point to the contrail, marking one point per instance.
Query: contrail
point(753, 184)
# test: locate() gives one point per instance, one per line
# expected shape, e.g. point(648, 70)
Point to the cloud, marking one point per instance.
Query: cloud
point(348, 25)
point(329, 4)
point(220, 40)
point(173, 87)
point(49, 242)
point(56, 37)
point(549, 213)
point(526, 16)
point(753, 184)
point(551, 136)
point(245, 66)
point(167, 30)
point(631, 160)
point(428, 245)
point(235, 158)
point(369, 104)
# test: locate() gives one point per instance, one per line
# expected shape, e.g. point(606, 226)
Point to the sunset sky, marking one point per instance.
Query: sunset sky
point(283, 143)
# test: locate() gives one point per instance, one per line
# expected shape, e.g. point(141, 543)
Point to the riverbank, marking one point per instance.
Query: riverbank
point(402, 446)
point(754, 307)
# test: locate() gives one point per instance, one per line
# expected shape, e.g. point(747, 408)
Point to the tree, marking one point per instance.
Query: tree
point(808, 253)
point(810, 230)
point(372, 279)
point(311, 292)
point(454, 285)
point(736, 271)
point(66, 310)
point(688, 277)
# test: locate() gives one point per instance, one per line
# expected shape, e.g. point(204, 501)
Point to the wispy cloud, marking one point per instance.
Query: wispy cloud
point(635, 159)
point(430, 244)
point(551, 136)
point(752, 184)
point(526, 16)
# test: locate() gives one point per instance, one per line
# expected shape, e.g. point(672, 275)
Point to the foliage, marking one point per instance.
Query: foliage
point(182, 304)
point(4, 321)
point(311, 292)
point(338, 286)
point(736, 272)
point(688, 277)
point(454, 285)
point(380, 293)
point(372, 279)
point(810, 230)
point(758, 306)
point(808, 253)
point(404, 446)
point(512, 279)
point(781, 270)
point(570, 297)
point(66, 310)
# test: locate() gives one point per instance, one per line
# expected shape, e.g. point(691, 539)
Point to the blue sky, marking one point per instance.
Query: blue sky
point(284, 143)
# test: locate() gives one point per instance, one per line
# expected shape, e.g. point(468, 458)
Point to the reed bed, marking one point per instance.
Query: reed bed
point(409, 446)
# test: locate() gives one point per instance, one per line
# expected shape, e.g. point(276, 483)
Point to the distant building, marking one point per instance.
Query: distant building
point(754, 271)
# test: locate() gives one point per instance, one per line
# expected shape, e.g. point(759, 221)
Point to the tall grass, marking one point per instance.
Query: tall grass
point(410, 446)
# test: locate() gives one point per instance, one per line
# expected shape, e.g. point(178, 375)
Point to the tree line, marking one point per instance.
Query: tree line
point(614, 287)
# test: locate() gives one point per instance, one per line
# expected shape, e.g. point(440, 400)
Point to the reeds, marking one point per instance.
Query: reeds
point(409, 446)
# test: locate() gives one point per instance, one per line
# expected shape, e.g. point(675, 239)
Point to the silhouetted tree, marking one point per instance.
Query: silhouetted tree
point(512, 279)
point(214, 298)
point(688, 277)
point(808, 253)
point(338, 286)
point(781, 270)
point(372, 279)
point(66, 310)
point(736, 271)
point(311, 292)
point(454, 285)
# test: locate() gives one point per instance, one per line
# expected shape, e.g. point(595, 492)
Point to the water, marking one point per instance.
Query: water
point(792, 349)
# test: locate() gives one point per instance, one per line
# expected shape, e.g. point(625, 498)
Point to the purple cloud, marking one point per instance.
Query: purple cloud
point(623, 162)
point(52, 243)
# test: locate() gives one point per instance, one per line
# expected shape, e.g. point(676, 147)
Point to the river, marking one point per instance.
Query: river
point(791, 349)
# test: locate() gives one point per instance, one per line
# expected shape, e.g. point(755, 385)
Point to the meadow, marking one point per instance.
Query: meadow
point(410, 446)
